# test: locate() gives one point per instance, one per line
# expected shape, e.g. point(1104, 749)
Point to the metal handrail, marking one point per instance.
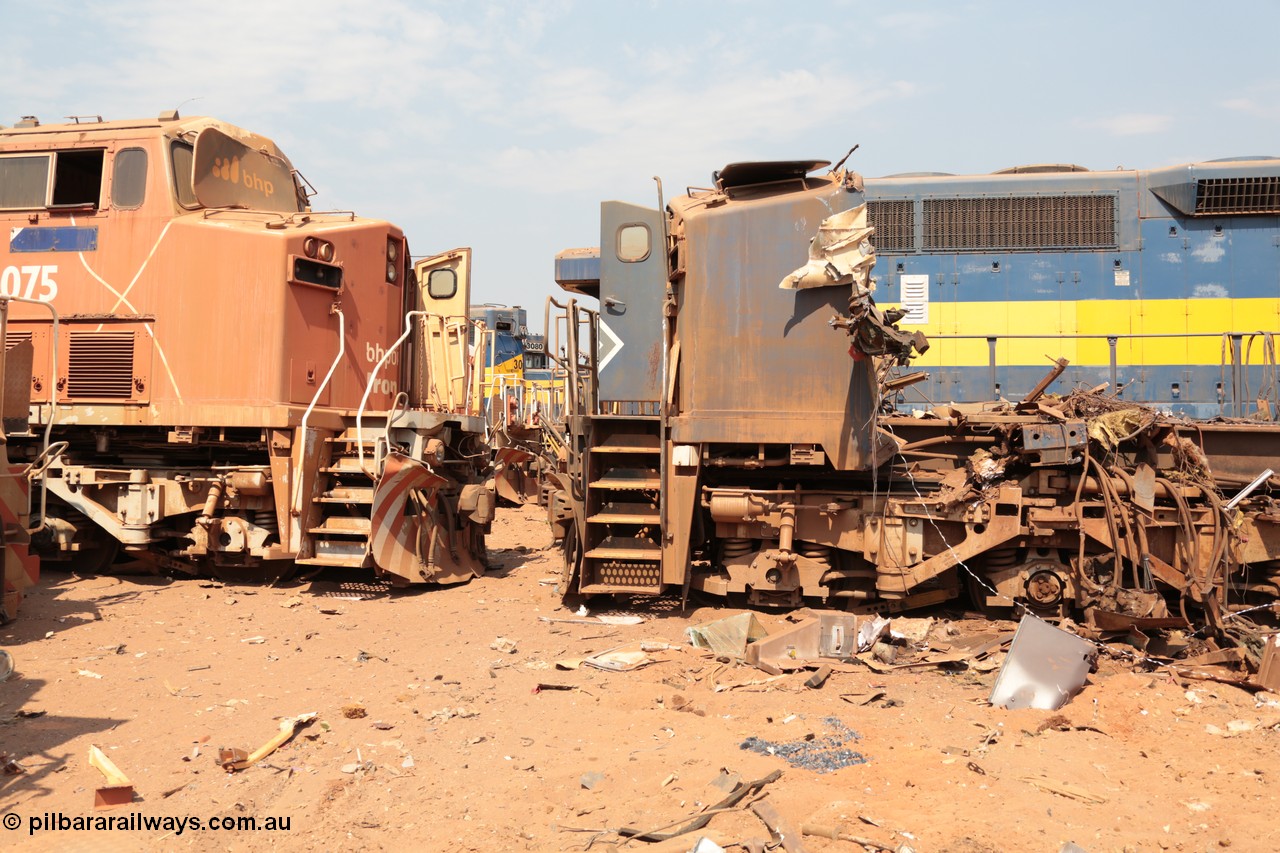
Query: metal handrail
point(368, 389)
point(1231, 339)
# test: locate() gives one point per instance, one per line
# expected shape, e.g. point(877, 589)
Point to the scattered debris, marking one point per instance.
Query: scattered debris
point(818, 678)
point(728, 636)
point(1046, 666)
point(590, 779)
point(504, 645)
point(620, 619)
point(1064, 789)
point(10, 766)
point(87, 673)
point(354, 711)
point(823, 754)
point(620, 659)
point(751, 682)
point(837, 635)
point(797, 643)
point(968, 650)
point(778, 826)
point(542, 685)
point(1269, 671)
point(836, 833)
point(886, 653)
point(254, 641)
point(233, 759)
point(912, 631)
point(118, 791)
point(870, 631)
point(698, 821)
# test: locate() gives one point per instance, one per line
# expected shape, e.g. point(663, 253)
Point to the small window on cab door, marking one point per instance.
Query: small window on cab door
point(442, 284)
point(129, 179)
point(634, 242)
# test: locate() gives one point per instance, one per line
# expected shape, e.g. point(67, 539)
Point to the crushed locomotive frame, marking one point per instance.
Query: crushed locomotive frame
point(722, 440)
point(223, 379)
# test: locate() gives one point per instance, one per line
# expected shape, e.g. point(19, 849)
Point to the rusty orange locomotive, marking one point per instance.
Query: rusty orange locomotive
point(223, 378)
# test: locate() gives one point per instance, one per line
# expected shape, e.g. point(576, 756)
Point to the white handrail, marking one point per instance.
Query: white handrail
point(342, 350)
point(296, 500)
point(368, 388)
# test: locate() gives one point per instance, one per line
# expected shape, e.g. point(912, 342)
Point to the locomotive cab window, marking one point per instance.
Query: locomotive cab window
point(24, 181)
point(129, 179)
point(183, 156)
point(77, 179)
point(442, 284)
point(634, 242)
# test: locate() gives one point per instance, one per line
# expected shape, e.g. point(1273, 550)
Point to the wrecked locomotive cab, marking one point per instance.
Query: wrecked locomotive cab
point(721, 440)
point(842, 254)
point(710, 415)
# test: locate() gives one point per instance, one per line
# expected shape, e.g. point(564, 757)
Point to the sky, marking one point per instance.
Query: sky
point(502, 126)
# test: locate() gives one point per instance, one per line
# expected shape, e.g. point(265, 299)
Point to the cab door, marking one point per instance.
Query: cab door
point(441, 370)
point(633, 279)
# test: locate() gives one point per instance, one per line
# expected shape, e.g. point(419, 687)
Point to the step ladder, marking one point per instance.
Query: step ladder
point(622, 551)
point(345, 503)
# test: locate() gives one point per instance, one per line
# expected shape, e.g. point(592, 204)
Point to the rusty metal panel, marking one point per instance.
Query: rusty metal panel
point(760, 363)
point(1054, 443)
point(17, 386)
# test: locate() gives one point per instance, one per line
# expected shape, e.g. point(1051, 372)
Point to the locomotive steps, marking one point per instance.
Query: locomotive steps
point(345, 503)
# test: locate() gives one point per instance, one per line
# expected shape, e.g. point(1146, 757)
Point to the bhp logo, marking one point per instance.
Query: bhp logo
point(228, 169)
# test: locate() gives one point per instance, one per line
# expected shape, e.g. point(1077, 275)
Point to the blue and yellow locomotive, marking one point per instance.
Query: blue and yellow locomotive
point(1162, 283)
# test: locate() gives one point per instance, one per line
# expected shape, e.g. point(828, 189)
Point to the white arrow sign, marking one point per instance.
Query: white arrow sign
point(610, 346)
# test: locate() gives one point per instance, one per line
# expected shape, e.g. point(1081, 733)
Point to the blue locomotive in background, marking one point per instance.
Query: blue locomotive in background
point(1164, 284)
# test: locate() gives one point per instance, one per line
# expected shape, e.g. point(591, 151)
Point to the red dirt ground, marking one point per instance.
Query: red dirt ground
point(457, 750)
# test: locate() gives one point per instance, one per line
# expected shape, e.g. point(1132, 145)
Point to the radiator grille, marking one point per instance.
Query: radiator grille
point(895, 224)
point(101, 365)
point(1238, 195)
point(12, 339)
point(1025, 223)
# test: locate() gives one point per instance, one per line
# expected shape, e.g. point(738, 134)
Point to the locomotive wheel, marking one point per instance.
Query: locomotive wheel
point(94, 557)
point(978, 596)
